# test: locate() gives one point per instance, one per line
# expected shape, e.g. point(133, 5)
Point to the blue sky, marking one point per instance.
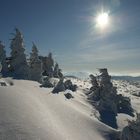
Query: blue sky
point(67, 28)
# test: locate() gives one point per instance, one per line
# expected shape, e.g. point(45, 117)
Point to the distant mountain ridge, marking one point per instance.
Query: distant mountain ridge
point(79, 75)
point(85, 75)
point(128, 78)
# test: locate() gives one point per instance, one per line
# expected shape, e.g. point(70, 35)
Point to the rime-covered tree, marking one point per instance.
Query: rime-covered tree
point(18, 63)
point(46, 82)
point(59, 87)
point(0, 69)
point(35, 65)
point(70, 86)
point(106, 99)
point(3, 60)
point(60, 73)
point(47, 65)
point(50, 65)
point(94, 90)
point(57, 71)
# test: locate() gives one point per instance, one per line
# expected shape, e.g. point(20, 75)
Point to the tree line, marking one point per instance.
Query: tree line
point(19, 67)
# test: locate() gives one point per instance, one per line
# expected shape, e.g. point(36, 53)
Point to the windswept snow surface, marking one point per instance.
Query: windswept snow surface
point(128, 88)
point(28, 112)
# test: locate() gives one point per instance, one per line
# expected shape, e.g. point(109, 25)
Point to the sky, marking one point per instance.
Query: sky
point(67, 28)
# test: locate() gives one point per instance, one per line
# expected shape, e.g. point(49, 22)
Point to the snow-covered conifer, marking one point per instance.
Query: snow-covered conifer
point(70, 86)
point(59, 87)
point(60, 73)
point(35, 65)
point(46, 82)
point(47, 65)
point(18, 63)
point(4, 70)
point(0, 69)
point(57, 71)
point(109, 103)
point(94, 90)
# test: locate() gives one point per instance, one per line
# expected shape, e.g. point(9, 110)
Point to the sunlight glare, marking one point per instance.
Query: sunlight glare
point(102, 20)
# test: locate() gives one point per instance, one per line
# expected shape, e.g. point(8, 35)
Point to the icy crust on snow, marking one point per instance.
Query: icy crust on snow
point(29, 112)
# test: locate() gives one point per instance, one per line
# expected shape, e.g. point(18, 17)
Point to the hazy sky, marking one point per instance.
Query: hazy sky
point(67, 28)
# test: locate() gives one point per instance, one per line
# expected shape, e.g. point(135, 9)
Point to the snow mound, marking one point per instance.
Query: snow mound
point(6, 82)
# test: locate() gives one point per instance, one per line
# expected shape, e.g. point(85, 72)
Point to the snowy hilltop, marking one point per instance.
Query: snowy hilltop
point(37, 102)
point(31, 112)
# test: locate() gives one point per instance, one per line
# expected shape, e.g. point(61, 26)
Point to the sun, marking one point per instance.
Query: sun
point(102, 20)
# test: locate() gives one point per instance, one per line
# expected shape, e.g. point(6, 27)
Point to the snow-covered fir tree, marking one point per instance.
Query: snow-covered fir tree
point(46, 82)
point(106, 99)
point(0, 69)
point(3, 60)
point(94, 88)
point(50, 65)
point(57, 71)
point(60, 73)
point(59, 87)
point(70, 86)
point(35, 65)
point(18, 64)
point(47, 65)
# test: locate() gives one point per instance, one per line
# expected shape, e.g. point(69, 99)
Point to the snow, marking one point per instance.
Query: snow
point(32, 113)
point(28, 112)
point(128, 88)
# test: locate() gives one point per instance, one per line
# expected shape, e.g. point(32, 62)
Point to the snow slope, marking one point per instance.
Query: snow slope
point(28, 112)
point(129, 88)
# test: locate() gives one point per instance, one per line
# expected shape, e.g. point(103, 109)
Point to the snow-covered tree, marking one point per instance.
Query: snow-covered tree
point(104, 92)
point(107, 93)
point(0, 69)
point(46, 82)
point(60, 73)
point(106, 99)
point(18, 64)
point(57, 71)
point(3, 60)
point(35, 65)
point(94, 90)
point(47, 65)
point(70, 86)
point(59, 87)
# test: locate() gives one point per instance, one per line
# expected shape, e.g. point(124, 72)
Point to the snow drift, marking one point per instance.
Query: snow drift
point(29, 112)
